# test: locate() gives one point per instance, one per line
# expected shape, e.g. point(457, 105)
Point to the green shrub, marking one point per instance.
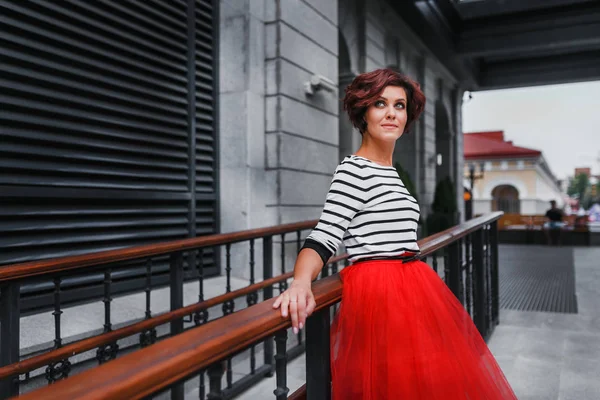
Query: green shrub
point(408, 183)
point(406, 180)
point(444, 207)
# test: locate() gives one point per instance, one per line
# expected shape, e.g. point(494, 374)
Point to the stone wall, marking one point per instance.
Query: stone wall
point(278, 145)
point(301, 130)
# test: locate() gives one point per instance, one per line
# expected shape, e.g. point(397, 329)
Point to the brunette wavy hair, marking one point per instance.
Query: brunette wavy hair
point(366, 88)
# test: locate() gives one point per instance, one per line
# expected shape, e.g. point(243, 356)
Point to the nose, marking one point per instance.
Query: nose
point(391, 113)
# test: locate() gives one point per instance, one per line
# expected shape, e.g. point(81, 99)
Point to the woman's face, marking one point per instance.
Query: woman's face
point(386, 117)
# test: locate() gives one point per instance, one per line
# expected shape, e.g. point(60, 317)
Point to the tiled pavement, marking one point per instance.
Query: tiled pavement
point(553, 356)
point(545, 356)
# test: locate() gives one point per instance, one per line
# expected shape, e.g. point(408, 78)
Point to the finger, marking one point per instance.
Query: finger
point(284, 306)
point(301, 311)
point(294, 313)
point(310, 307)
point(278, 301)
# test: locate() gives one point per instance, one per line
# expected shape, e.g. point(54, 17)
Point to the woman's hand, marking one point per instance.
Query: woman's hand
point(300, 301)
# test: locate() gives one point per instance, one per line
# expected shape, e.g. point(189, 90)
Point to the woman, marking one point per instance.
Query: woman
point(400, 332)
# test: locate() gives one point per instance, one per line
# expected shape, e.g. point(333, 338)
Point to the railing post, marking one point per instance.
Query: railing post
point(318, 369)
point(267, 265)
point(267, 294)
point(215, 374)
point(325, 271)
point(10, 314)
point(281, 365)
point(455, 267)
point(176, 284)
point(469, 275)
point(479, 297)
point(495, 263)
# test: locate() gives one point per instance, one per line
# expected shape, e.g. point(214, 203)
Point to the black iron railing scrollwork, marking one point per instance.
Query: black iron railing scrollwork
point(470, 269)
point(183, 257)
point(469, 253)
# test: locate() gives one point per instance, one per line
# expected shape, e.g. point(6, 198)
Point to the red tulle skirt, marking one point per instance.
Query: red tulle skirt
point(400, 333)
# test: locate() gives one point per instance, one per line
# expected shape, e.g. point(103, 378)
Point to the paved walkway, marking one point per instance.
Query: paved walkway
point(81, 321)
point(554, 356)
point(545, 356)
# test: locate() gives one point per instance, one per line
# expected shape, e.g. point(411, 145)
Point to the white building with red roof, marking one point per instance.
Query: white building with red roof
point(515, 179)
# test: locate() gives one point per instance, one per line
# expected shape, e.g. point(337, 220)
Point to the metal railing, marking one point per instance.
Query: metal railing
point(469, 253)
point(259, 245)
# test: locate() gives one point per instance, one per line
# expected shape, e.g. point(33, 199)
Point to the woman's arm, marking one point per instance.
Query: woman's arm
point(299, 298)
point(343, 202)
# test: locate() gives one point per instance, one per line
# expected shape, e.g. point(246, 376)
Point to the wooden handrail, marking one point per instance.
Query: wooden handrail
point(433, 243)
point(83, 345)
point(299, 394)
point(149, 370)
point(36, 268)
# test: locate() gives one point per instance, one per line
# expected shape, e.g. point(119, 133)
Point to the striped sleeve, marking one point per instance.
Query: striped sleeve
point(344, 200)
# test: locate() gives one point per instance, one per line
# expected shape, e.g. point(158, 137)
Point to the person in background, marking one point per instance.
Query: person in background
point(554, 224)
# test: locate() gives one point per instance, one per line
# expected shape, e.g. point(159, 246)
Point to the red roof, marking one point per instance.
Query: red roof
point(481, 145)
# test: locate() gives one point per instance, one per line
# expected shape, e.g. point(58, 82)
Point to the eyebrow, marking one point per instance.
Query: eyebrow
point(398, 99)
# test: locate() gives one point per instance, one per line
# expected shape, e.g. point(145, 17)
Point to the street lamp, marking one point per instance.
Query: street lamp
point(472, 178)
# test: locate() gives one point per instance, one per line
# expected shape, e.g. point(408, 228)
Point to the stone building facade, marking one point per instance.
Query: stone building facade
point(513, 179)
point(278, 145)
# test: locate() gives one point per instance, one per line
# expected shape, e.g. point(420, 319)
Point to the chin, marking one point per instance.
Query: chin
point(387, 136)
point(390, 136)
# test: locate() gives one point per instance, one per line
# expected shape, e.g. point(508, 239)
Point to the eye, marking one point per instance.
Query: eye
point(379, 103)
point(401, 106)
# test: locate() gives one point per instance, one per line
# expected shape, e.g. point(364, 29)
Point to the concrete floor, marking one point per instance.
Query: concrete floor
point(37, 331)
point(81, 321)
point(545, 356)
point(552, 356)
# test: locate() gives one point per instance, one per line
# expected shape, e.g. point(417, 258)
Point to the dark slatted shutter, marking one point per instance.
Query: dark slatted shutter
point(206, 149)
point(96, 132)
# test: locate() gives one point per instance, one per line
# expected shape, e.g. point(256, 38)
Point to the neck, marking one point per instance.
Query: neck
point(380, 152)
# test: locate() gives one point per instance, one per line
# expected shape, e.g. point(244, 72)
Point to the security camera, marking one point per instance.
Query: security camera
point(318, 82)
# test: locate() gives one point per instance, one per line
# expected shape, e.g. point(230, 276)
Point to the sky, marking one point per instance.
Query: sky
point(562, 121)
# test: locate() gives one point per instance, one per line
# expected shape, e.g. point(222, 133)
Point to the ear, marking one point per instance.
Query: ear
point(362, 128)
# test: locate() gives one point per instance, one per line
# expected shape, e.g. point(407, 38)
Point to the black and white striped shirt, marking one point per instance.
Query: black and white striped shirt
point(369, 208)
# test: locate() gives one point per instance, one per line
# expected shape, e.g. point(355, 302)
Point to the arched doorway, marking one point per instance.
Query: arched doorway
point(345, 77)
point(443, 144)
point(506, 198)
